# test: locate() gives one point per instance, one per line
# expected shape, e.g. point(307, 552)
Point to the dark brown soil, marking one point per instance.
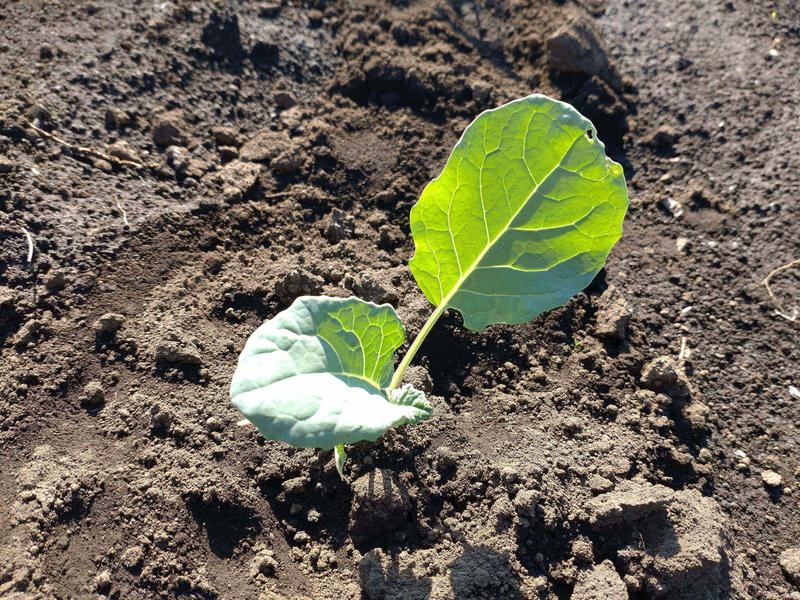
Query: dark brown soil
point(627, 445)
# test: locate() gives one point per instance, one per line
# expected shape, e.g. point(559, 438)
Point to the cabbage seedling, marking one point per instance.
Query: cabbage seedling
point(521, 218)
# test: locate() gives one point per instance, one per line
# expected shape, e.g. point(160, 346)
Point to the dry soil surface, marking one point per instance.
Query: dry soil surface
point(173, 173)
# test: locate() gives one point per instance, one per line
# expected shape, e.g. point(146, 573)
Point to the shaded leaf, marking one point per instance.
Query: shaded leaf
point(313, 376)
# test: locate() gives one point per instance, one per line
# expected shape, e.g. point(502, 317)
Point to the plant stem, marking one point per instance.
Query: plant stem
point(340, 456)
point(415, 346)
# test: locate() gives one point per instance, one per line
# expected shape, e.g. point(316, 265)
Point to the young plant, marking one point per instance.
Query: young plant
point(521, 219)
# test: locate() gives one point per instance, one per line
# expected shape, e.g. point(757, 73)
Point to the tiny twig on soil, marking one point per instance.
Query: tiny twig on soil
point(88, 151)
point(684, 352)
point(122, 210)
point(780, 310)
point(29, 237)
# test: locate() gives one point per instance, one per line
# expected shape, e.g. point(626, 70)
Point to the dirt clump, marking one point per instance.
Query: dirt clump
point(170, 129)
point(687, 553)
point(665, 374)
point(630, 502)
point(298, 282)
point(790, 563)
point(613, 315)
point(576, 48)
point(601, 582)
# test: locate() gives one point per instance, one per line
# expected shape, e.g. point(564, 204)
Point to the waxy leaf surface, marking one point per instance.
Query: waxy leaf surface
point(521, 218)
point(313, 376)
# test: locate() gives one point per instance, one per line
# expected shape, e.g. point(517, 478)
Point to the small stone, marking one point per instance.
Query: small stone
point(270, 9)
point(226, 136)
point(599, 484)
point(380, 506)
point(790, 564)
point(109, 323)
point(133, 557)
point(228, 153)
point(46, 52)
point(93, 394)
point(6, 164)
point(31, 331)
point(122, 150)
point(40, 112)
point(177, 158)
point(214, 424)
point(682, 244)
point(339, 226)
point(771, 479)
point(663, 137)
point(169, 129)
point(315, 17)
point(116, 118)
point(672, 206)
point(284, 99)
point(613, 315)
point(55, 281)
point(264, 563)
point(102, 582)
point(103, 165)
point(289, 162)
point(178, 352)
point(576, 48)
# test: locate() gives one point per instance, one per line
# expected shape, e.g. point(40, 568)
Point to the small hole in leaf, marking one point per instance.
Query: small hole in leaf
point(589, 134)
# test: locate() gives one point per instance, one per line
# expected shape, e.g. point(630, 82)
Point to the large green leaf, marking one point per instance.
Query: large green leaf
point(521, 218)
point(313, 376)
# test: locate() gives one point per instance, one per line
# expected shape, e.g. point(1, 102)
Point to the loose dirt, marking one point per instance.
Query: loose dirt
point(211, 162)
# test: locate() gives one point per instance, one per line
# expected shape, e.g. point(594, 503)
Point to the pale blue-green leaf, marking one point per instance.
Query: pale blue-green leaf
point(313, 376)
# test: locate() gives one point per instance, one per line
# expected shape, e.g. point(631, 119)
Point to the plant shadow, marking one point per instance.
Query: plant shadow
point(479, 572)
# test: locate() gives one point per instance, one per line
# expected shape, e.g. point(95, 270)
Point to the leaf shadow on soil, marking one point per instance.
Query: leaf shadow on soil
point(473, 563)
point(476, 568)
point(225, 526)
point(478, 42)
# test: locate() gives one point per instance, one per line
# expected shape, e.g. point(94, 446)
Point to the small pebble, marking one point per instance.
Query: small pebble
point(771, 479)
